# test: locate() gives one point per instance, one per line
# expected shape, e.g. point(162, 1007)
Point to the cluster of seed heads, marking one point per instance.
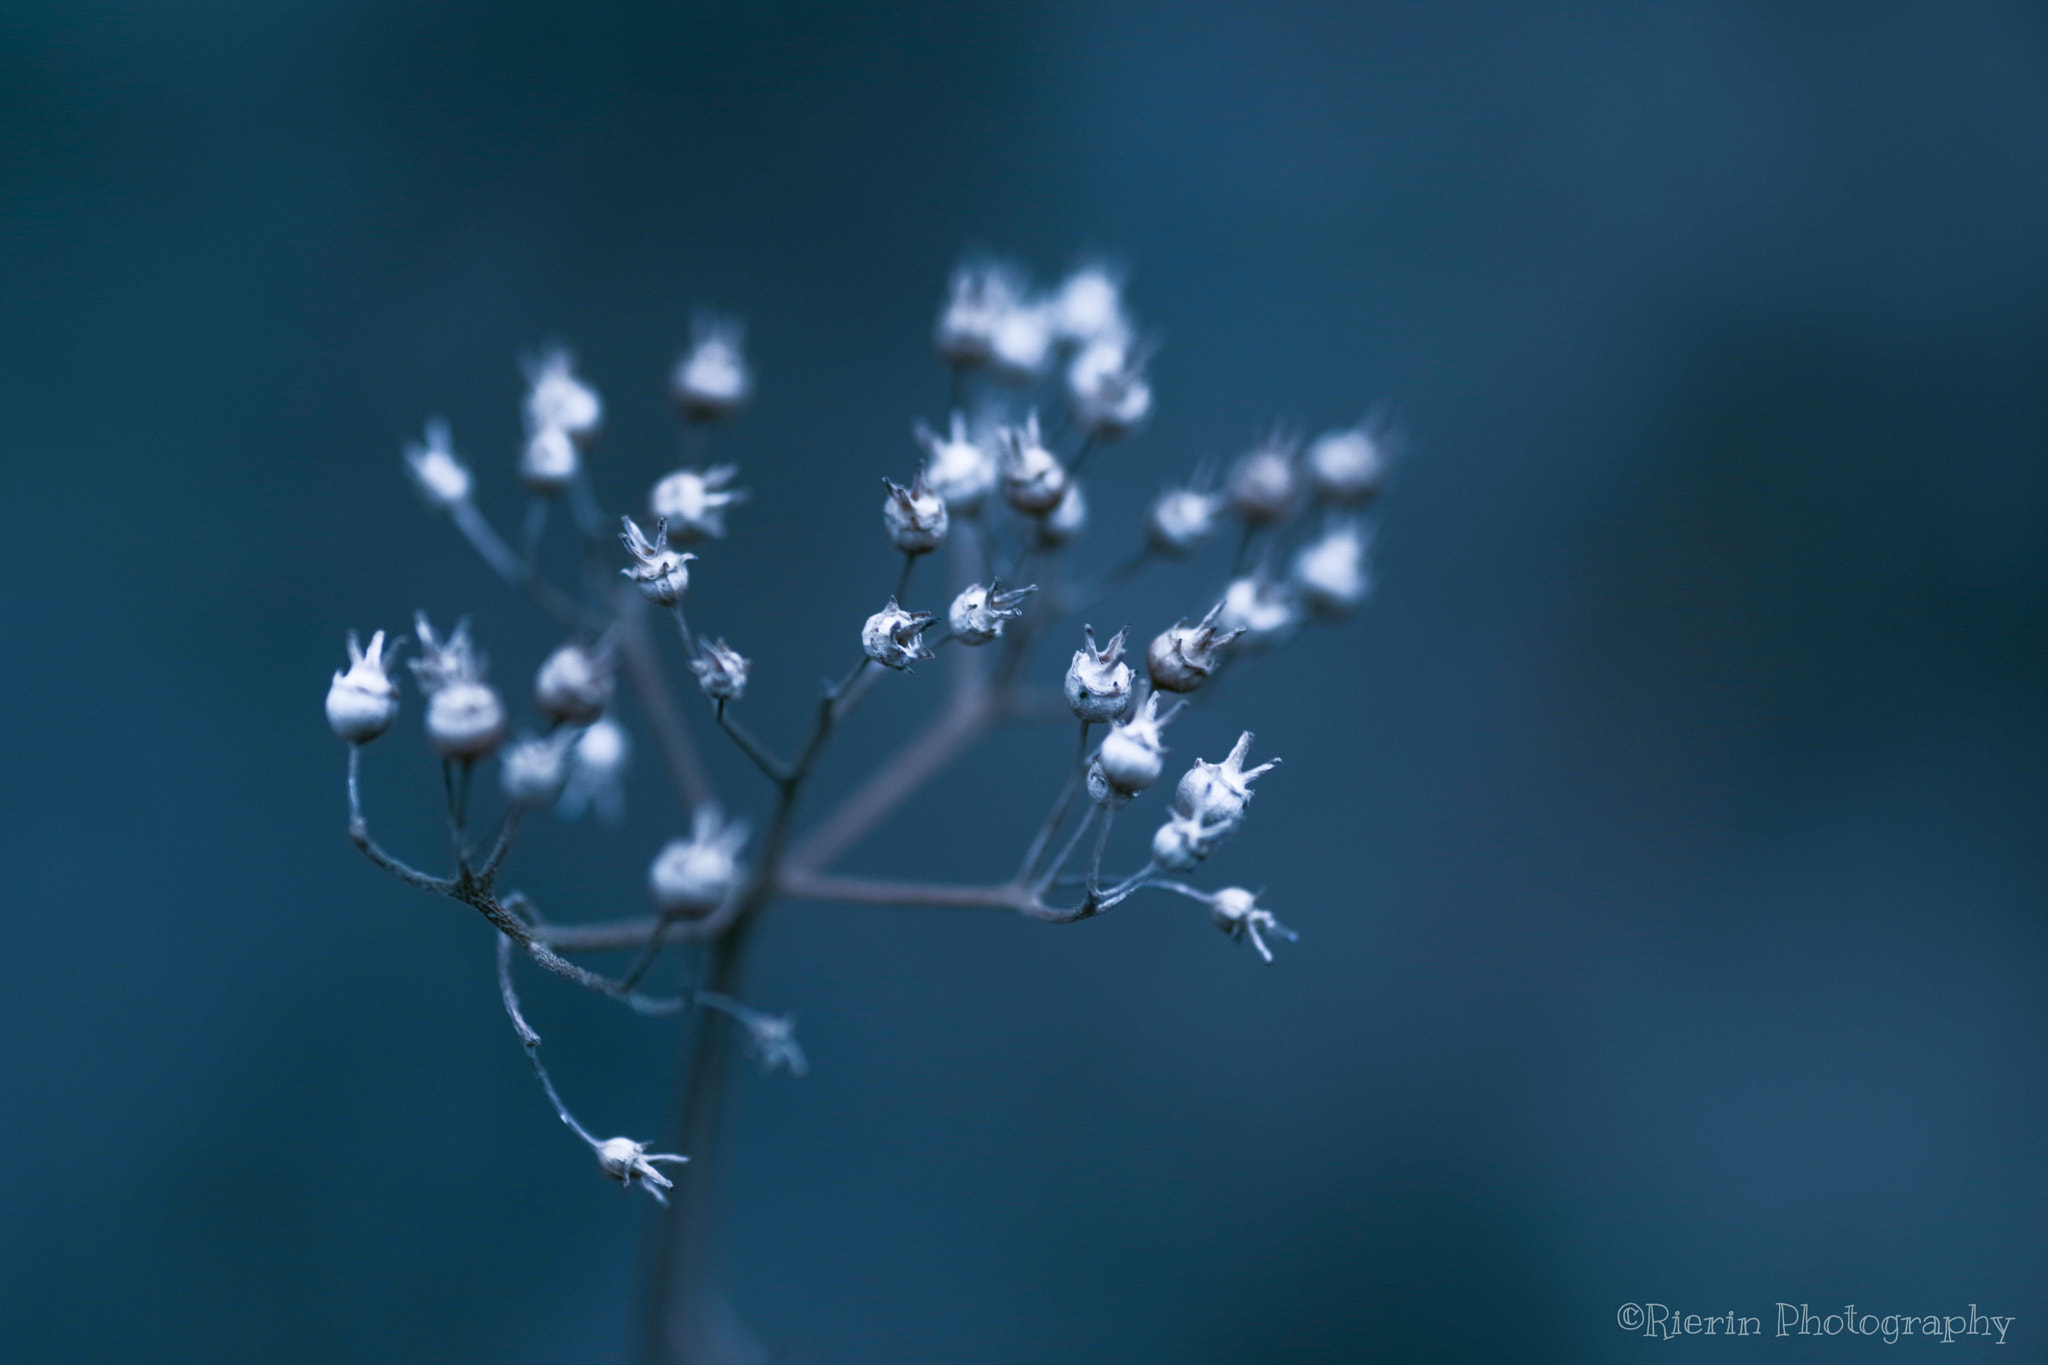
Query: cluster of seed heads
point(994, 472)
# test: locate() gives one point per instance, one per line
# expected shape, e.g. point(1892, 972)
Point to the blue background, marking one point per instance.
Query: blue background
point(1667, 838)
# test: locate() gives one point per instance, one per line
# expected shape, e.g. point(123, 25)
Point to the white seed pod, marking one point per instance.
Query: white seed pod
point(465, 720)
point(1263, 484)
point(1180, 843)
point(573, 685)
point(979, 298)
point(712, 380)
point(1098, 682)
point(978, 613)
point(1033, 480)
point(1101, 791)
point(957, 468)
point(1107, 386)
point(893, 637)
point(1021, 342)
point(661, 574)
point(1237, 913)
point(1088, 306)
point(720, 671)
point(533, 771)
point(915, 516)
point(694, 501)
point(1181, 520)
point(362, 703)
point(1348, 466)
point(1133, 753)
point(1259, 613)
point(693, 876)
point(1330, 571)
point(1065, 522)
point(1182, 657)
point(597, 765)
point(556, 398)
point(630, 1163)
point(1214, 795)
point(548, 462)
point(442, 479)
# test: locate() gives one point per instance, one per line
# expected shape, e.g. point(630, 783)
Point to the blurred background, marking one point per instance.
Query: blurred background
point(1666, 838)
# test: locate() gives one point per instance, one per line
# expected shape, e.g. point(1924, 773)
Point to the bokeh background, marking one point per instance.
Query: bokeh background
point(1667, 838)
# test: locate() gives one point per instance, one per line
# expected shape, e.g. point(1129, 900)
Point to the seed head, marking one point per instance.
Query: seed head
point(1263, 482)
point(555, 397)
point(712, 380)
point(443, 480)
point(630, 1163)
point(661, 574)
point(549, 461)
point(958, 469)
point(1133, 753)
point(979, 298)
point(915, 516)
point(1331, 572)
point(1107, 385)
point(1236, 912)
point(720, 671)
point(1021, 343)
point(1181, 520)
point(1098, 684)
point(1180, 843)
point(532, 771)
point(1215, 794)
point(1259, 612)
point(892, 637)
point(1182, 657)
point(574, 684)
point(465, 719)
point(1032, 478)
point(693, 876)
point(693, 502)
point(1088, 306)
point(1348, 466)
point(362, 703)
point(597, 763)
point(977, 614)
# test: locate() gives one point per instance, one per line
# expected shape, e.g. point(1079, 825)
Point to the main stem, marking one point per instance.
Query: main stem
point(690, 1319)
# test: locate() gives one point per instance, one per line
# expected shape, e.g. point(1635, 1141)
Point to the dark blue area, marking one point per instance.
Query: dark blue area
point(1666, 839)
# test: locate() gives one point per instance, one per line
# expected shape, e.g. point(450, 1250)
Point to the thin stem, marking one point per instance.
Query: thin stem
point(1066, 850)
point(872, 891)
point(1094, 882)
point(1060, 806)
point(672, 735)
point(536, 528)
point(531, 1042)
point(775, 768)
point(903, 578)
point(501, 846)
point(1081, 455)
point(683, 626)
point(495, 552)
point(359, 835)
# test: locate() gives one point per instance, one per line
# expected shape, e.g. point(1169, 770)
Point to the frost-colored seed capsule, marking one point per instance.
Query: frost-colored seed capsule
point(1182, 657)
point(574, 684)
point(1347, 467)
point(661, 574)
point(958, 469)
point(1237, 913)
point(693, 502)
point(548, 462)
point(1065, 522)
point(630, 1163)
point(1259, 613)
point(465, 719)
point(978, 613)
point(712, 380)
point(1180, 843)
point(1214, 795)
point(979, 298)
point(720, 671)
point(1133, 753)
point(362, 703)
point(1263, 482)
point(1089, 306)
point(1107, 386)
point(1181, 520)
point(532, 771)
point(693, 876)
point(1098, 683)
point(1021, 342)
point(443, 480)
point(597, 762)
point(893, 637)
point(915, 516)
point(556, 398)
point(1331, 572)
point(1033, 479)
